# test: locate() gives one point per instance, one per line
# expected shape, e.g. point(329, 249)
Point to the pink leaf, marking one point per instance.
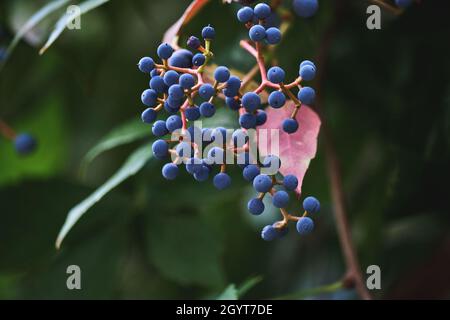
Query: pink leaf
point(297, 149)
point(171, 35)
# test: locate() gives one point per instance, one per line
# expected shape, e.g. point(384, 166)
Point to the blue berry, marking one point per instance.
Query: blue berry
point(276, 75)
point(216, 156)
point(160, 149)
point(222, 74)
point(149, 97)
point(149, 115)
point(159, 128)
point(277, 99)
point(146, 64)
point(280, 199)
point(240, 137)
point(24, 143)
point(193, 165)
point(307, 63)
point(170, 171)
point(192, 113)
point(157, 83)
point(307, 72)
point(169, 109)
point(206, 91)
point(307, 95)
point(262, 183)
point(232, 103)
point(311, 205)
point(207, 109)
point(290, 182)
point(208, 33)
point(305, 225)
point(281, 232)
point(273, 20)
point(269, 233)
point(273, 35)
point(176, 92)
point(187, 81)
point(154, 72)
point(290, 125)
point(247, 121)
point(198, 59)
point(173, 123)
point(403, 3)
point(184, 149)
point(171, 77)
point(272, 161)
point(261, 117)
point(250, 172)
point(305, 8)
point(251, 101)
point(233, 86)
point(255, 206)
point(222, 181)
point(164, 51)
point(193, 42)
point(202, 174)
point(245, 14)
point(181, 58)
point(257, 33)
point(174, 103)
point(262, 11)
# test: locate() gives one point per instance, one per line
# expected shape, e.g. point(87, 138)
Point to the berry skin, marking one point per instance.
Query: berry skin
point(290, 182)
point(280, 199)
point(146, 64)
point(202, 174)
point(149, 115)
point(250, 172)
point(245, 14)
point(184, 149)
point(193, 43)
point(306, 63)
point(173, 123)
point(232, 103)
point(159, 128)
point(273, 35)
point(233, 86)
point(305, 225)
point(160, 149)
point(181, 58)
point(176, 92)
point(170, 171)
point(251, 101)
point(257, 33)
point(272, 161)
point(305, 8)
point(269, 233)
point(290, 125)
point(207, 109)
point(261, 117)
point(215, 156)
point(307, 95)
point(149, 97)
point(262, 183)
point(247, 121)
point(276, 75)
point(192, 113)
point(187, 81)
point(208, 33)
point(193, 165)
point(262, 11)
point(222, 181)
point(164, 51)
point(255, 206)
point(206, 91)
point(277, 99)
point(307, 72)
point(24, 143)
point(171, 77)
point(157, 83)
point(173, 103)
point(403, 3)
point(311, 205)
point(198, 59)
point(222, 74)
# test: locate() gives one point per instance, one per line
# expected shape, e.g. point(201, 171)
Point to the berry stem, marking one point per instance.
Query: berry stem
point(6, 130)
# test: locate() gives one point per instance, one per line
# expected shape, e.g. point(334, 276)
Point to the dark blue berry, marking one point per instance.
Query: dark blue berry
point(207, 109)
point(176, 92)
point(277, 99)
point(403, 3)
point(262, 11)
point(311, 205)
point(208, 33)
point(216, 156)
point(171, 77)
point(307, 63)
point(307, 72)
point(192, 113)
point(193, 165)
point(202, 174)
point(247, 121)
point(159, 128)
point(272, 161)
point(164, 51)
point(206, 91)
point(233, 86)
point(250, 172)
point(257, 33)
point(251, 101)
point(273, 20)
point(187, 81)
point(170, 171)
point(232, 103)
point(198, 59)
point(290, 125)
point(305, 8)
point(269, 233)
point(154, 72)
point(290, 182)
point(276, 75)
point(305, 225)
point(146, 64)
point(245, 14)
point(160, 149)
point(281, 232)
point(307, 95)
point(222, 181)
point(184, 149)
point(221, 74)
point(181, 58)
point(173, 123)
point(280, 199)
point(262, 183)
point(149, 97)
point(169, 109)
point(149, 115)
point(24, 143)
point(157, 83)
point(174, 103)
point(193, 42)
point(273, 35)
point(255, 206)
point(261, 117)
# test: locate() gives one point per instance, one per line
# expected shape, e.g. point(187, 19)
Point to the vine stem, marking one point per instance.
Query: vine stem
point(6, 130)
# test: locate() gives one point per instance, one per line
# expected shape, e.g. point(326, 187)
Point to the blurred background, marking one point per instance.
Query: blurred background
point(386, 101)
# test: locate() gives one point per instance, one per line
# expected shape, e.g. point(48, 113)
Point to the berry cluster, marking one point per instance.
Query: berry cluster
point(180, 87)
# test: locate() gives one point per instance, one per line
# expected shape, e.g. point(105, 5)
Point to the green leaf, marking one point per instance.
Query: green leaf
point(34, 20)
point(126, 133)
point(230, 293)
point(133, 164)
point(67, 18)
point(247, 285)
